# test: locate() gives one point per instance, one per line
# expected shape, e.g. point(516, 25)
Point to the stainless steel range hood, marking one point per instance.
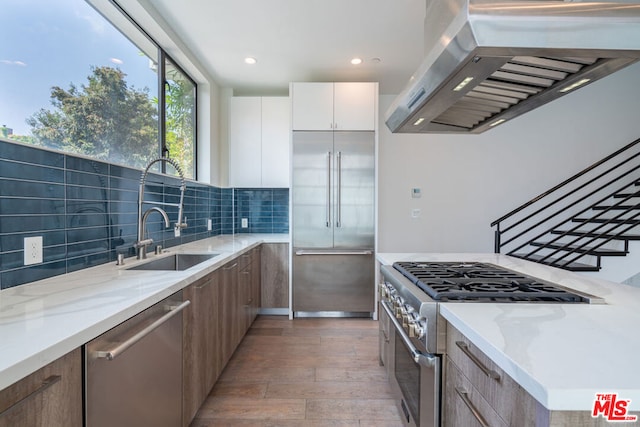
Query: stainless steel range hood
point(490, 61)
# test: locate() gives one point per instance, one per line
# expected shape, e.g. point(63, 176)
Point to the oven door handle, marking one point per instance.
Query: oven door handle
point(427, 360)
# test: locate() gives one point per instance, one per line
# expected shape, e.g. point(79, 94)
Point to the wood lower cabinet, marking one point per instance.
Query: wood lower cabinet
point(249, 288)
point(238, 304)
point(478, 392)
point(274, 276)
point(51, 396)
point(201, 366)
point(255, 284)
point(228, 328)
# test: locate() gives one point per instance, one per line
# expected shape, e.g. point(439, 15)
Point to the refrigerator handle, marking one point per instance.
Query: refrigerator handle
point(328, 212)
point(339, 188)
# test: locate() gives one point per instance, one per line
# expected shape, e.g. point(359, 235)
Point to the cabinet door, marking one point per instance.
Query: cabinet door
point(50, 397)
point(275, 275)
point(200, 365)
point(256, 280)
point(275, 142)
point(355, 106)
point(244, 301)
point(227, 313)
point(245, 142)
point(312, 105)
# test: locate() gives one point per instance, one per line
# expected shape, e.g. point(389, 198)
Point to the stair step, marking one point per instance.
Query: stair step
point(608, 221)
point(574, 266)
point(615, 208)
point(625, 195)
point(604, 236)
point(581, 250)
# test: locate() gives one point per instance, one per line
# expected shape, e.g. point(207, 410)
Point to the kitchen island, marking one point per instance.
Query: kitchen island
point(561, 354)
point(44, 320)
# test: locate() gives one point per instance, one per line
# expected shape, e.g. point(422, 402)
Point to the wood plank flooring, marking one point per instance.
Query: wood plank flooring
point(303, 372)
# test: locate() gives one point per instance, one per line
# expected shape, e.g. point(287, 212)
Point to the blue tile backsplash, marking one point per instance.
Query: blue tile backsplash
point(86, 211)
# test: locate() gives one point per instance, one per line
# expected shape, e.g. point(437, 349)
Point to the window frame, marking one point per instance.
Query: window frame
point(162, 56)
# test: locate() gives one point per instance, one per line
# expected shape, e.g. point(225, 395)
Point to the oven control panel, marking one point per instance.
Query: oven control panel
point(412, 323)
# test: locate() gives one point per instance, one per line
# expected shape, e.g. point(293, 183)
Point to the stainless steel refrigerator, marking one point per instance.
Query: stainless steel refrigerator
point(333, 194)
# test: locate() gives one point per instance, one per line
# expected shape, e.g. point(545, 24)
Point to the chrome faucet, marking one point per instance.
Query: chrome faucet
point(142, 243)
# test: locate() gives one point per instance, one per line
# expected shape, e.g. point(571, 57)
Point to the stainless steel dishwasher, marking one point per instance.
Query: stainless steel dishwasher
point(133, 372)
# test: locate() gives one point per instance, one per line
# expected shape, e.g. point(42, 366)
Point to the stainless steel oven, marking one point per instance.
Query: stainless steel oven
point(410, 295)
point(416, 375)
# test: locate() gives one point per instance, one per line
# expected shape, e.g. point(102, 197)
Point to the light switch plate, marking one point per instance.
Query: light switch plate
point(32, 250)
point(245, 223)
point(209, 224)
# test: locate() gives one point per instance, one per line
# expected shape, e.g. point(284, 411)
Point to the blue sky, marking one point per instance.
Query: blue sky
point(45, 43)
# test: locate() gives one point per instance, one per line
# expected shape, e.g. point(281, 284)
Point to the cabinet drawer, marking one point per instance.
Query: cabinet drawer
point(245, 259)
point(464, 405)
point(509, 400)
point(49, 397)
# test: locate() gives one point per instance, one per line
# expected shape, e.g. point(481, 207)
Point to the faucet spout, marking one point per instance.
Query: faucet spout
point(160, 211)
point(142, 243)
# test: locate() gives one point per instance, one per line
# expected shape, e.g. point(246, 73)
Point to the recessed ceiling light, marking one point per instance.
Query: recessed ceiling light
point(250, 60)
point(356, 61)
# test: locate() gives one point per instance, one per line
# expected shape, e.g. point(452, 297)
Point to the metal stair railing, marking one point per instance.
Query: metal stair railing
point(573, 197)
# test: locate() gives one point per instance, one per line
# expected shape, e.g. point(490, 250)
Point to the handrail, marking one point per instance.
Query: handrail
point(565, 182)
point(583, 198)
point(559, 206)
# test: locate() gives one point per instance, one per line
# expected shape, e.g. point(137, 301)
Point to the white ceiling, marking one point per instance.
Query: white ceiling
point(300, 40)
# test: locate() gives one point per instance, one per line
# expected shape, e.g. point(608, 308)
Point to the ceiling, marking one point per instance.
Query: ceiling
point(294, 40)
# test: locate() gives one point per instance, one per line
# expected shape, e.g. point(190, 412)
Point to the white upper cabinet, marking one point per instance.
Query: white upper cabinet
point(354, 106)
point(245, 142)
point(259, 142)
point(275, 141)
point(312, 105)
point(334, 106)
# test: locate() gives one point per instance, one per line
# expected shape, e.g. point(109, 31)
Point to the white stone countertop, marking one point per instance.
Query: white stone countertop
point(43, 320)
point(562, 354)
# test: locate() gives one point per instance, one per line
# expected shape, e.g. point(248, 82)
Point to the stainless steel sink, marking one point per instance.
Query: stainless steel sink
point(175, 262)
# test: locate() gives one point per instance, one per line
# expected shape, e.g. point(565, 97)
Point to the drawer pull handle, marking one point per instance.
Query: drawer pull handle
point(119, 349)
point(205, 284)
point(465, 398)
point(488, 372)
point(231, 267)
point(48, 382)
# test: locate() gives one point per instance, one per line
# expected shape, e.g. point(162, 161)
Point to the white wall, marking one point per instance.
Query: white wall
point(468, 181)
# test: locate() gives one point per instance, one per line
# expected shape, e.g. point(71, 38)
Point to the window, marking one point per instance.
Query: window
point(69, 80)
point(180, 117)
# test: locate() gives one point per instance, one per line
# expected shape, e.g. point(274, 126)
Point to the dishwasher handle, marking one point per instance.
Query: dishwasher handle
point(120, 348)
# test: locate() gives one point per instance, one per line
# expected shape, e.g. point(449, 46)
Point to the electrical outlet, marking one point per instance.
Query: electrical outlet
point(176, 232)
point(32, 250)
point(209, 224)
point(415, 213)
point(245, 223)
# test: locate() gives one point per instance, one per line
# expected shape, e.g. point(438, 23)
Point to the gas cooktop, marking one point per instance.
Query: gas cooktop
point(474, 281)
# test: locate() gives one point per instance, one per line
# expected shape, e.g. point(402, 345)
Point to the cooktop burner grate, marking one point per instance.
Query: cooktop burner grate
point(455, 281)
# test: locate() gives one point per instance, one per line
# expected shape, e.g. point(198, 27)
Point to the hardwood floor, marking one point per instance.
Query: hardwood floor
point(303, 372)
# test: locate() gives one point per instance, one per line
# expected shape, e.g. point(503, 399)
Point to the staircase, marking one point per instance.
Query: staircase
point(574, 225)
